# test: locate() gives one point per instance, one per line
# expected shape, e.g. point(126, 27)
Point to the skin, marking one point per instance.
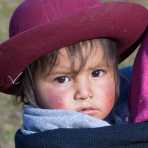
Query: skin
point(90, 90)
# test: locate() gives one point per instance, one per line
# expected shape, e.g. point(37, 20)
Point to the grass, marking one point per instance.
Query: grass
point(10, 118)
point(6, 7)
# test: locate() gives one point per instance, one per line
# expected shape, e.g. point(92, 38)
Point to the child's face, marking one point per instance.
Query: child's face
point(90, 91)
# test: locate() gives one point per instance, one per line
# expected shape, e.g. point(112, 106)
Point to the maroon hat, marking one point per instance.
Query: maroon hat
point(37, 27)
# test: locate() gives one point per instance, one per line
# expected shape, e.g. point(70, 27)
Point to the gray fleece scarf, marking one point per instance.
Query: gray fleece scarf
point(38, 120)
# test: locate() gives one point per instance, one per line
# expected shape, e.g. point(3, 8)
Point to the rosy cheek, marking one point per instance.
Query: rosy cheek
point(110, 94)
point(56, 101)
point(106, 96)
point(110, 99)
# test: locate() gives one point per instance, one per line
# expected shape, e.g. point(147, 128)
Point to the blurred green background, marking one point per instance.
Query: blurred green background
point(10, 114)
point(10, 118)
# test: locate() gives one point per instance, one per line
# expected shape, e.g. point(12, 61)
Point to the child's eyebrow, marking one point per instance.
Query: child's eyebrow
point(60, 72)
point(98, 65)
point(74, 71)
point(61, 69)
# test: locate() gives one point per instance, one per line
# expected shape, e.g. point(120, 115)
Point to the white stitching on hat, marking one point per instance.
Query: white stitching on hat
point(14, 81)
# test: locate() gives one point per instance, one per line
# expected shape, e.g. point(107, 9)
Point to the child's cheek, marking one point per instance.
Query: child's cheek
point(106, 95)
point(56, 101)
point(109, 99)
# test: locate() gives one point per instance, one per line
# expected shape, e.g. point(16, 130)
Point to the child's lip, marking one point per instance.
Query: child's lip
point(87, 109)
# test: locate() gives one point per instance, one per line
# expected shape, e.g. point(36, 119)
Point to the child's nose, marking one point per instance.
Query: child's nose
point(83, 91)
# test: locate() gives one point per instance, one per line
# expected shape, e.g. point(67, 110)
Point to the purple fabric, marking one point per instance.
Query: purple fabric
point(139, 87)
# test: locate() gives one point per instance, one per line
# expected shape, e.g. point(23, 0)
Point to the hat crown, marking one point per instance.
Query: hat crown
point(32, 13)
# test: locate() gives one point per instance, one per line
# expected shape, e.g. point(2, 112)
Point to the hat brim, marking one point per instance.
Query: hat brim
point(111, 20)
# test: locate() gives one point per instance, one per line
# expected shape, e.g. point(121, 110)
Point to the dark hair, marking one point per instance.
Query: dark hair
point(45, 64)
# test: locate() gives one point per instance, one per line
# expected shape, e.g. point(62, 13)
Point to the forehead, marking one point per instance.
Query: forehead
point(92, 55)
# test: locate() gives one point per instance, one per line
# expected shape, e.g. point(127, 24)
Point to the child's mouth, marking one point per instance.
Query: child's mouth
point(88, 110)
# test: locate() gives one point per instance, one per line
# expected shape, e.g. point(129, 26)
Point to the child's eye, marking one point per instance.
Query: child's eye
point(98, 73)
point(62, 79)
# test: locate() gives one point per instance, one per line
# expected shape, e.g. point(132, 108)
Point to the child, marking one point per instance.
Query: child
point(64, 64)
point(69, 79)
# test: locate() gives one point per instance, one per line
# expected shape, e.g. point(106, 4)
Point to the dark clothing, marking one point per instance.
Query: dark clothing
point(118, 136)
point(120, 113)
